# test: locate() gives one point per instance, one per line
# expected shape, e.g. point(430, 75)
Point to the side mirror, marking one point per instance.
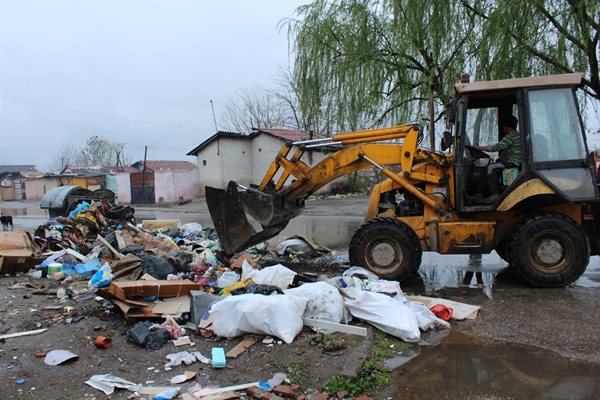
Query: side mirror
point(446, 141)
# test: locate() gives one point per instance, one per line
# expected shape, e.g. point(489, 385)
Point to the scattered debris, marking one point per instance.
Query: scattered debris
point(109, 382)
point(57, 357)
point(103, 342)
point(186, 358)
point(218, 357)
point(19, 334)
point(241, 347)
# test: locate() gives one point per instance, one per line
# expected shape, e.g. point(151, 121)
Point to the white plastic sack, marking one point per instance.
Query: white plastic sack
point(276, 275)
point(294, 245)
point(192, 227)
point(275, 315)
point(425, 318)
point(360, 272)
point(386, 313)
point(324, 301)
point(383, 286)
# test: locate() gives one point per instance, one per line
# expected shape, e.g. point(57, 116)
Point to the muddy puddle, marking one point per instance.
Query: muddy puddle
point(465, 367)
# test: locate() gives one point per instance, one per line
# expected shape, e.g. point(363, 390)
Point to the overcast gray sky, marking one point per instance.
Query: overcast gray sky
point(134, 70)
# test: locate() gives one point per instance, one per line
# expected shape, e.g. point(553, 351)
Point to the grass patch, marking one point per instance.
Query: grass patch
point(371, 375)
point(297, 373)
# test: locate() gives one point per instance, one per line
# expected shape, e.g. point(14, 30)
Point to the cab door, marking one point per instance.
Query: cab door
point(558, 151)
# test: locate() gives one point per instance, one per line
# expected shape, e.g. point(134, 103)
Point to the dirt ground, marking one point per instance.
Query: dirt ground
point(560, 323)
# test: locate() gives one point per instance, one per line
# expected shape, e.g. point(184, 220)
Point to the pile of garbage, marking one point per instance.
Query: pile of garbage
point(179, 275)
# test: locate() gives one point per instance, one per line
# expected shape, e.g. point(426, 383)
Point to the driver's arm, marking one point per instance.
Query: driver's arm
point(484, 148)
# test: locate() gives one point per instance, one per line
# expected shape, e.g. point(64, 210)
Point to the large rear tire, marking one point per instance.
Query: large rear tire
point(549, 250)
point(387, 247)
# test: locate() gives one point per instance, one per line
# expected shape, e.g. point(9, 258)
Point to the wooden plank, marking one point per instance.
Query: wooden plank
point(221, 396)
point(240, 348)
point(343, 328)
point(104, 242)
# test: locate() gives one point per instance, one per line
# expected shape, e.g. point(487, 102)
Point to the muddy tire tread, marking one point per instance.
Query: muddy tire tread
point(536, 278)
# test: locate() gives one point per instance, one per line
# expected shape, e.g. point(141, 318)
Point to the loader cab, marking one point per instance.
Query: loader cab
point(553, 166)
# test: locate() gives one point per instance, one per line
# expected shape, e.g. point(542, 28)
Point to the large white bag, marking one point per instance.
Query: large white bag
point(276, 275)
point(275, 315)
point(386, 313)
point(425, 318)
point(324, 301)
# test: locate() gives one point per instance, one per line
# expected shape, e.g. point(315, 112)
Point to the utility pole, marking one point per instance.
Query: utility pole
point(214, 118)
point(144, 176)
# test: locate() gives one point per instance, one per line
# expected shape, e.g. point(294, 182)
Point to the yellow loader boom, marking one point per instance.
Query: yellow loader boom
point(272, 204)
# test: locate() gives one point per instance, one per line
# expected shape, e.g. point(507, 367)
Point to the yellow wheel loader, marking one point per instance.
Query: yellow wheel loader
point(542, 220)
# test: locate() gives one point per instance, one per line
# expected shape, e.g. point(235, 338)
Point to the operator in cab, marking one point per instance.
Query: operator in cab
point(509, 149)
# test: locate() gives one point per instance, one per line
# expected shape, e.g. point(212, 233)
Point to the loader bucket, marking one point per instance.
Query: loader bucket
point(229, 210)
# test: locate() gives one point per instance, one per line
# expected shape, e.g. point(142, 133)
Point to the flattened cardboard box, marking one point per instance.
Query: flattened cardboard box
point(127, 289)
point(18, 253)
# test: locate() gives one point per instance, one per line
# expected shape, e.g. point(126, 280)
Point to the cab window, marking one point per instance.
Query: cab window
point(554, 125)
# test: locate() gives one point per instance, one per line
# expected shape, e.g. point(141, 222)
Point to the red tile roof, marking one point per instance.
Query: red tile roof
point(287, 134)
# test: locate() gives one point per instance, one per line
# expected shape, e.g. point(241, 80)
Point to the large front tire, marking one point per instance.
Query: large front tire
point(549, 250)
point(387, 247)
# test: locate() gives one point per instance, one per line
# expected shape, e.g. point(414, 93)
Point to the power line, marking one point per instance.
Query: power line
point(128, 120)
point(180, 125)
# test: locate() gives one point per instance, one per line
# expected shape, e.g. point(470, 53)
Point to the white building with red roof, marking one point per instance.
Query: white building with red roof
point(245, 159)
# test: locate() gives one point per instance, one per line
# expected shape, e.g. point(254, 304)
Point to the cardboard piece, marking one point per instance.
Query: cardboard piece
point(240, 348)
point(172, 306)
point(161, 223)
point(183, 341)
point(18, 253)
point(160, 288)
point(460, 312)
point(122, 295)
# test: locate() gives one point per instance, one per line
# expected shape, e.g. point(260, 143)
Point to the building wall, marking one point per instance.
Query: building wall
point(123, 187)
point(264, 151)
point(224, 160)
point(244, 161)
point(49, 183)
point(35, 189)
point(264, 148)
point(174, 185)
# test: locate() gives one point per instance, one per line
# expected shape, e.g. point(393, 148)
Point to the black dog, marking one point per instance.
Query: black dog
point(6, 220)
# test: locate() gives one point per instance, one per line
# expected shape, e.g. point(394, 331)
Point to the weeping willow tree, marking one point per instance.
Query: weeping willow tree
point(364, 63)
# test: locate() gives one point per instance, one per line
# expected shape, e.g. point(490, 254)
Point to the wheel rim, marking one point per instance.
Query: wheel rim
point(550, 252)
point(384, 256)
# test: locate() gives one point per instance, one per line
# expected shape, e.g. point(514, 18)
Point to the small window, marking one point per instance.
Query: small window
point(203, 162)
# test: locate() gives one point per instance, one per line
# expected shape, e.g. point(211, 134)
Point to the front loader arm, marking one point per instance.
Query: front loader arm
point(272, 204)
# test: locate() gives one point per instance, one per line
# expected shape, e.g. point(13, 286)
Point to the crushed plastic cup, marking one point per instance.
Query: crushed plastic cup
point(103, 342)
